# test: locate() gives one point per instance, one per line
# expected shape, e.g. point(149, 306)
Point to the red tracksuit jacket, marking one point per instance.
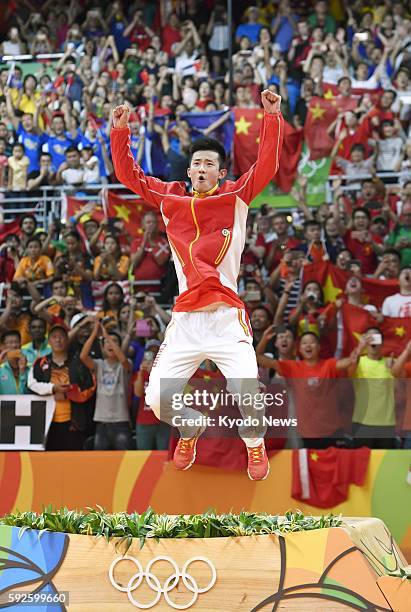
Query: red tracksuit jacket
point(206, 232)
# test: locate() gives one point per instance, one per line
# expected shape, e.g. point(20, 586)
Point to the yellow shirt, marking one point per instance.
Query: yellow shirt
point(374, 393)
point(42, 268)
point(26, 104)
point(19, 167)
point(122, 265)
point(62, 412)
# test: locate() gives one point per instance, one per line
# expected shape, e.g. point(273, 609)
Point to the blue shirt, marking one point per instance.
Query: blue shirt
point(8, 383)
point(285, 34)
point(97, 150)
point(251, 30)
point(57, 149)
point(32, 144)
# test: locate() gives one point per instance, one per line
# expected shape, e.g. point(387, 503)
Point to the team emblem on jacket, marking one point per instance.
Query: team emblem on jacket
point(225, 232)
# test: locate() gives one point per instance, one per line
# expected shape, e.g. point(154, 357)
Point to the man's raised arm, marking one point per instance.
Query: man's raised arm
point(127, 170)
point(250, 184)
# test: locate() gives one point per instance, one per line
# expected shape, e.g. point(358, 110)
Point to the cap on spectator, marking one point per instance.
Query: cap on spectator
point(151, 343)
point(77, 319)
point(379, 219)
point(58, 326)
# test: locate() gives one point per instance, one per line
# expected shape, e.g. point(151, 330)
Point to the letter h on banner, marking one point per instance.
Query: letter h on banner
point(11, 421)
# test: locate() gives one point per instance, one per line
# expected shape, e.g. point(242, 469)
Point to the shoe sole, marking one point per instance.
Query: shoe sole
point(194, 454)
point(258, 479)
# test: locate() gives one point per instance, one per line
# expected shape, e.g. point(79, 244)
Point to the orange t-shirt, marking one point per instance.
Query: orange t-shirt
point(42, 268)
point(62, 412)
point(21, 324)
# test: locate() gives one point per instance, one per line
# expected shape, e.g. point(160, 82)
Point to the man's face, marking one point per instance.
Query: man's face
point(259, 320)
point(387, 99)
point(58, 341)
point(59, 289)
point(357, 156)
point(303, 29)
point(391, 265)
point(45, 162)
point(405, 280)
point(368, 191)
point(90, 229)
point(343, 260)
point(360, 221)
point(37, 330)
point(309, 347)
point(204, 170)
point(280, 226)
point(313, 233)
point(16, 301)
point(28, 226)
point(284, 343)
point(27, 122)
point(73, 159)
point(58, 125)
point(12, 343)
point(150, 223)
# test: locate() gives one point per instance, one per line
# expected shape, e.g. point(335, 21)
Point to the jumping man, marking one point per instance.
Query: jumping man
point(206, 229)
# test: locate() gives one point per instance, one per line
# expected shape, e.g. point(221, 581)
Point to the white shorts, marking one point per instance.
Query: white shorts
point(224, 336)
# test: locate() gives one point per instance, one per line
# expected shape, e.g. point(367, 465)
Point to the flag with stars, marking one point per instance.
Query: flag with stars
point(247, 122)
point(247, 125)
point(321, 113)
point(396, 331)
point(322, 478)
point(333, 281)
point(129, 211)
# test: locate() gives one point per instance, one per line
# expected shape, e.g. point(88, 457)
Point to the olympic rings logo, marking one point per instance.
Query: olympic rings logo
point(170, 583)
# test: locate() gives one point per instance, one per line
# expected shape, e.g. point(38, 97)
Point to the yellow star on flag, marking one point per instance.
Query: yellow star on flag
point(357, 335)
point(260, 115)
point(257, 140)
point(314, 456)
point(400, 331)
point(242, 126)
point(317, 112)
point(122, 212)
point(329, 95)
point(331, 292)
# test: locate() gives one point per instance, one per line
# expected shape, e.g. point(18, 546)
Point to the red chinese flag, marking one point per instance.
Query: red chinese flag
point(333, 281)
point(131, 211)
point(290, 156)
point(396, 331)
point(12, 227)
point(246, 137)
point(321, 478)
point(356, 321)
point(322, 112)
point(75, 204)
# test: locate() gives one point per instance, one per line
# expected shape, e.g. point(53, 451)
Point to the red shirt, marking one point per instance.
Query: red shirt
point(363, 251)
point(145, 415)
point(290, 243)
point(170, 37)
point(315, 396)
point(148, 268)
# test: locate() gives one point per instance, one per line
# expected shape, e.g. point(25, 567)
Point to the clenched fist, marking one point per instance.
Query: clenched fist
point(121, 115)
point(271, 101)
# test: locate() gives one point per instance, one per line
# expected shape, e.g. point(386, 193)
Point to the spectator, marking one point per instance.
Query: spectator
point(374, 416)
point(39, 346)
point(90, 165)
point(13, 368)
point(34, 267)
point(399, 304)
point(151, 434)
point(43, 176)
point(112, 300)
point(150, 253)
point(400, 237)
point(71, 172)
point(111, 414)
point(251, 27)
point(59, 374)
point(14, 317)
point(402, 369)
point(28, 225)
point(111, 264)
point(18, 169)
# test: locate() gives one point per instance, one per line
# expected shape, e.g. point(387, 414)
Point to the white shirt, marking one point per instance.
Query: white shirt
point(332, 75)
point(91, 171)
point(397, 306)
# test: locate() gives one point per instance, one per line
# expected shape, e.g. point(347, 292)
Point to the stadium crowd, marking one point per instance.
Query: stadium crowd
point(85, 307)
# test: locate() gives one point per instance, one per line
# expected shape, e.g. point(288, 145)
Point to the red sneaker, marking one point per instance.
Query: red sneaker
point(185, 453)
point(258, 466)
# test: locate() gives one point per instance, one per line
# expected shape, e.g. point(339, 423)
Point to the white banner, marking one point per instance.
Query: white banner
point(25, 421)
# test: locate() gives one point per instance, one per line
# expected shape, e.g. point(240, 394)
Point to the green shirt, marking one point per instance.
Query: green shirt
point(31, 354)
point(329, 26)
point(401, 232)
point(8, 384)
point(374, 393)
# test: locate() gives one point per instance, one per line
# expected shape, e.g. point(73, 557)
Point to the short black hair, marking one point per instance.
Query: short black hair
point(208, 144)
point(361, 210)
point(358, 147)
point(394, 252)
point(11, 332)
point(34, 239)
point(71, 149)
point(311, 223)
point(310, 333)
